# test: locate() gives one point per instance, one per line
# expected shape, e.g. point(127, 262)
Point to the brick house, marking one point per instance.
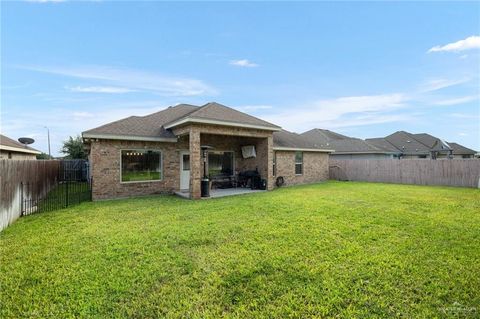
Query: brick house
point(11, 149)
point(162, 152)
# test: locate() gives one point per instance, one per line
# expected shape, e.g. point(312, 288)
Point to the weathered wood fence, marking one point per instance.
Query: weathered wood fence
point(40, 175)
point(29, 186)
point(456, 172)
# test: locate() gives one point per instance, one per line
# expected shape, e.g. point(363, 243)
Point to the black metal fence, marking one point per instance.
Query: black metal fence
point(74, 170)
point(72, 187)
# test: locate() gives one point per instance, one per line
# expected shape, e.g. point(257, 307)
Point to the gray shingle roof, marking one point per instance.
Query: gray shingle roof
point(145, 126)
point(432, 142)
point(321, 136)
point(421, 143)
point(288, 139)
point(340, 143)
point(355, 145)
point(426, 139)
point(407, 143)
point(153, 125)
point(460, 149)
point(219, 112)
point(7, 141)
point(383, 144)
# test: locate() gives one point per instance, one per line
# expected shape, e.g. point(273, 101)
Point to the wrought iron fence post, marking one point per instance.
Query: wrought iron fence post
point(21, 199)
point(66, 194)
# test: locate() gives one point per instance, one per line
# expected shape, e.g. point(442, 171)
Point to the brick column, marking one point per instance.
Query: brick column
point(195, 163)
point(270, 179)
point(265, 160)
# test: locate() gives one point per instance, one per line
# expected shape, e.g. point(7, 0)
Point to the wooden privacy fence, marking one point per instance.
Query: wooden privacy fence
point(30, 186)
point(455, 172)
point(42, 176)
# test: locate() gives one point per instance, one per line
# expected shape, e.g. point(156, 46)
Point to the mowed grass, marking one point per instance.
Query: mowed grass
point(140, 176)
point(337, 249)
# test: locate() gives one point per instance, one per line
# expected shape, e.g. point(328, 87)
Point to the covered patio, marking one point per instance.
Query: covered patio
point(218, 153)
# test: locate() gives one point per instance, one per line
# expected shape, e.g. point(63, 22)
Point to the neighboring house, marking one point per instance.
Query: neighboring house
point(162, 152)
point(11, 149)
point(403, 142)
point(400, 144)
point(460, 151)
point(421, 145)
point(346, 147)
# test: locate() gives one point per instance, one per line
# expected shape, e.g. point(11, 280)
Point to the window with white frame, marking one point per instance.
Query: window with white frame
point(298, 163)
point(141, 165)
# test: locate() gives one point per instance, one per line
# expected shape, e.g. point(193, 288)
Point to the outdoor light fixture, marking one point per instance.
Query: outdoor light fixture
point(205, 149)
point(205, 184)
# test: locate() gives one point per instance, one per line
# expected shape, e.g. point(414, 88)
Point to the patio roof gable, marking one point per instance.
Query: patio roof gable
point(217, 114)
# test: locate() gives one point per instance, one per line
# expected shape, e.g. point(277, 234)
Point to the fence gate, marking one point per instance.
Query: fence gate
point(71, 186)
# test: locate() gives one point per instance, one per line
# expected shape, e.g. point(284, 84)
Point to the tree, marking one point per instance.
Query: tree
point(44, 156)
point(73, 148)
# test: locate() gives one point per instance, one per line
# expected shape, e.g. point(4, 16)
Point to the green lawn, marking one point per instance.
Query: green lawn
point(65, 194)
point(338, 249)
point(141, 176)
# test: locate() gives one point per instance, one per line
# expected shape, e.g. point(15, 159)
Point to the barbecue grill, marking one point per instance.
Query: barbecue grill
point(250, 179)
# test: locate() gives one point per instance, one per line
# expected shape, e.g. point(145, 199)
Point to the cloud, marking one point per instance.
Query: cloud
point(100, 89)
point(342, 112)
point(77, 116)
point(472, 42)
point(464, 116)
point(351, 111)
point(247, 108)
point(367, 120)
point(463, 134)
point(455, 101)
point(243, 63)
point(438, 84)
point(133, 79)
point(65, 122)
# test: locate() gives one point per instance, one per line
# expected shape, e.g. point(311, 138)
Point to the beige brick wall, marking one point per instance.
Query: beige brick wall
point(105, 159)
point(195, 163)
point(315, 167)
point(222, 130)
point(228, 139)
point(235, 143)
point(4, 154)
point(105, 169)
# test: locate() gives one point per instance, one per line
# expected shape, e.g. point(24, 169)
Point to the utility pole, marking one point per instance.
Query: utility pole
point(48, 135)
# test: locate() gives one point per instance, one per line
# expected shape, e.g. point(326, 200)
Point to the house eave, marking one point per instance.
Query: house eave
point(300, 149)
point(415, 154)
point(18, 149)
point(218, 122)
point(130, 137)
point(366, 152)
